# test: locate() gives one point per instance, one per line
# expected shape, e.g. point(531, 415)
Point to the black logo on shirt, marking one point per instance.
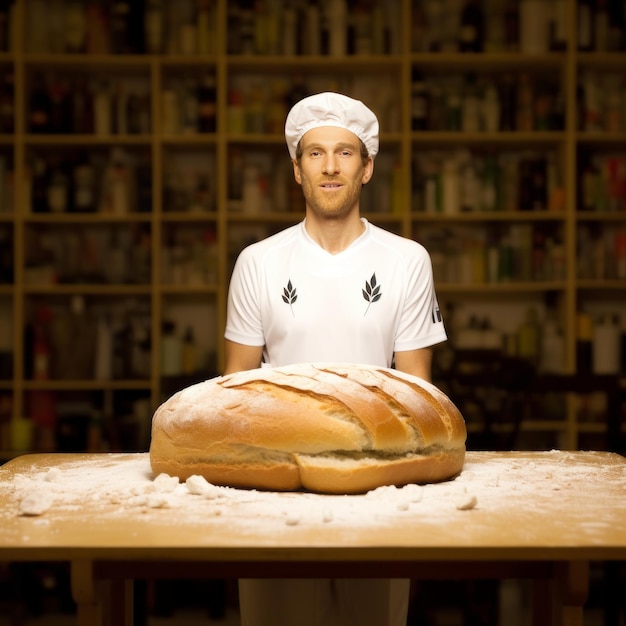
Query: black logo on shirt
point(436, 314)
point(290, 296)
point(371, 293)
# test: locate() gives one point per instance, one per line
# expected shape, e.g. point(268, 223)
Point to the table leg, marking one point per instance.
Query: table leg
point(542, 606)
point(121, 602)
point(88, 609)
point(572, 587)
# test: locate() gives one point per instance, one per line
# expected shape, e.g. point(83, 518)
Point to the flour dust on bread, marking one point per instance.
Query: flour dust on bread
point(330, 428)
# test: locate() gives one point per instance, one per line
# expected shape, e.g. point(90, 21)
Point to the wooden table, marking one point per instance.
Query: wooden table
point(539, 515)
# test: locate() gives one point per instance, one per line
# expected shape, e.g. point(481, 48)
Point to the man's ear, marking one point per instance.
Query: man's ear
point(368, 171)
point(296, 171)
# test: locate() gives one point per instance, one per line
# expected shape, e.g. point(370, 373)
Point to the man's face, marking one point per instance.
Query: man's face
point(331, 170)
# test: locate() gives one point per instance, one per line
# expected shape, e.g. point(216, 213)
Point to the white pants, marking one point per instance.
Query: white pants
point(324, 602)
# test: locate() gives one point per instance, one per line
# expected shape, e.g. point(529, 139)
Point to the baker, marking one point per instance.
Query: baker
point(337, 288)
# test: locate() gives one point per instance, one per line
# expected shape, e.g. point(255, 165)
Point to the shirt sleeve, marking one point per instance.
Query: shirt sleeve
point(421, 324)
point(243, 315)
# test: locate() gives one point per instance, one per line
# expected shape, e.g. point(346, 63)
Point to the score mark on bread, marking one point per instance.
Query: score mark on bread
point(330, 428)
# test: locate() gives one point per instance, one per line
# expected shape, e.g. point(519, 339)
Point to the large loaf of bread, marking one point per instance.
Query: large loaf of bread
point(330, 428)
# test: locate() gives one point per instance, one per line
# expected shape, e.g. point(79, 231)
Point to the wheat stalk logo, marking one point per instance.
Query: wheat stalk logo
point(290, 296)
point(371, 293)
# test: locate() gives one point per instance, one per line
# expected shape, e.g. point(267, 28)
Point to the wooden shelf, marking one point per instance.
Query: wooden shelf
point(398, 141)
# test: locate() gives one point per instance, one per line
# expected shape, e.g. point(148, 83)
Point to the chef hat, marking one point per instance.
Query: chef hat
point(331, 109)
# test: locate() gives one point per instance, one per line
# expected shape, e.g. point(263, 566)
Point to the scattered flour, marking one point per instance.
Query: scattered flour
point(467, 504)
point(115, 485)
point(35, 503)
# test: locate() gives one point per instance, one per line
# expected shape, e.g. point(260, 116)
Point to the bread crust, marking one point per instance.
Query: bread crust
point(331, 428)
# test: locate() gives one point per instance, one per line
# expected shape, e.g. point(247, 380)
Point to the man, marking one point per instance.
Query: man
point(332, 288)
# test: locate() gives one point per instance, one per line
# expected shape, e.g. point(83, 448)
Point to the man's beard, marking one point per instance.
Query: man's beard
point(331, 204)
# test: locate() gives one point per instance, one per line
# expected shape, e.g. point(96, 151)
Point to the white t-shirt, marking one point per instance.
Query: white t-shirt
point(304, 304)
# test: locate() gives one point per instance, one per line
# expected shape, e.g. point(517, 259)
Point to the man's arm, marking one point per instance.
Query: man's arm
point(415, 362)
point(241, 357)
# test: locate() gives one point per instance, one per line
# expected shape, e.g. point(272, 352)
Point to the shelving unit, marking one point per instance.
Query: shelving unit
point(168, 255)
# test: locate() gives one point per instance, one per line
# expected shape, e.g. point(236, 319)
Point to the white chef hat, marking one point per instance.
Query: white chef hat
point(331, 109)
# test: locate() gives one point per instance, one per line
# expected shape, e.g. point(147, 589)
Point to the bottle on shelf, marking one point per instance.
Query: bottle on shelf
point(122, 347)
point(141, 344)
point(205, 27)
point(235, 175)
point(616, 26)
point(119, 108)
point(253, 199)
point(470, 187)
point(558, 26)
point(419, 101)
point(188, 352)
point(189, 109)
point(77, 327)
point(606, 346)
point(211, 255)
point(256, 109)
point(450, 186)
point(121, 26)
point(585, 23)
point(171, 350)
point(103, 369)
point(75, 26)
point(552, 347)
point(97, 30)
point(233, 28)
point(60, 107)
point(58, 189)
point(601, 26)
point(472, 28)
point(337, 20)
point(471, 111)
point(489, 191)
point(245, 29)
point(592, 118)
point(529, 337)
point(454, 110)
point(186, 24)
point(153, 25)
point(207, 104)
point(39, 107)
point(360, 30)
point(511, 25)
point(82, 113)
point(41, 346)
point(7, 95)
point(117, 191)
point(103, 109)
point(524, 105)
point(534, 26)
point(584, 343)
point(313, 35)
point(491, 109)
point(42, 409)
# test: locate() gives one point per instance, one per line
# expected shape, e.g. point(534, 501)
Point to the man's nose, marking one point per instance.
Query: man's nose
point(331, 165)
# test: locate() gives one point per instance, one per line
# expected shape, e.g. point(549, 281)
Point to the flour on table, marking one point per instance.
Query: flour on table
point(467, 503)
point(117, 485)
point(35, 503)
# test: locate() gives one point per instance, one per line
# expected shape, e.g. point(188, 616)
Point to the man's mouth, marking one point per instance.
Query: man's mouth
point(330, 185)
